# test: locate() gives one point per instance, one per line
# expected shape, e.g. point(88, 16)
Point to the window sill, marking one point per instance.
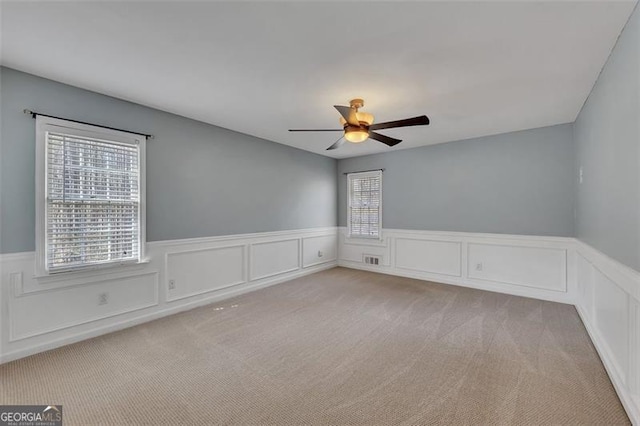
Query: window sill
point(93, 271)
point(364, 241)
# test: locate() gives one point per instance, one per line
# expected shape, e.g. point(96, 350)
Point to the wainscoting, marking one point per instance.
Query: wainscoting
point(608, 301)
point(538, 267)
point(605, 292)
point(42, 313)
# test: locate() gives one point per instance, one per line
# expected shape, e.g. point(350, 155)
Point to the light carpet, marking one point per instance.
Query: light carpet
point(338, 347)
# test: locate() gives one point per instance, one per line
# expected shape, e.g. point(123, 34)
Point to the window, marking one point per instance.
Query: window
point(365, 204)
point(90, 196)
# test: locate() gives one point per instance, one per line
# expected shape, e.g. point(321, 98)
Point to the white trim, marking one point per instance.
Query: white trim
point(43, 126)
point(395, 255)
point(350, 254)
point(269, 234)
point(447, 235)
point(448, 279)
point(623, 276)
point(623, 391)
point(273, 274)
point(624, 376)
point(13, 337)
point(197, 293)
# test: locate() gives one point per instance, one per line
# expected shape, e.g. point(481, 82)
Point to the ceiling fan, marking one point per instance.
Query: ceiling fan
point(358, 126)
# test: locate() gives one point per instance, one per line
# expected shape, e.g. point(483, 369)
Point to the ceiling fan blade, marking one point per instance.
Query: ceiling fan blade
point(316, 130)
point(422, 120)
point(348, 114)
point(384, 139)
point(338, 144)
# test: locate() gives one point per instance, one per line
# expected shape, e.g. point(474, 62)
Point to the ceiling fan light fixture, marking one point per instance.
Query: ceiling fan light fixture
point(365, 117)
point(356, 135)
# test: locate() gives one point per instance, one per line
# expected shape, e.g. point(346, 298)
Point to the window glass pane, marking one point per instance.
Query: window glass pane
point(365, 204)
point(93, 201)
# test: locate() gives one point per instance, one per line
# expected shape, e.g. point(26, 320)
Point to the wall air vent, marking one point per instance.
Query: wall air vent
point(371, 260)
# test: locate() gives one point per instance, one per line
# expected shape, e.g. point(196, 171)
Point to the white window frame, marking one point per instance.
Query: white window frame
point(350, 177)
point(48, 124)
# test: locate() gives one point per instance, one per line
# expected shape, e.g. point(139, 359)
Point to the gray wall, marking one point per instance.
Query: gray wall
point(607, 135)
point(514, 183)
point(202, 180)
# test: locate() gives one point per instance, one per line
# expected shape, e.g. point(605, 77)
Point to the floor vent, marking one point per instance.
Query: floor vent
point(371, 260)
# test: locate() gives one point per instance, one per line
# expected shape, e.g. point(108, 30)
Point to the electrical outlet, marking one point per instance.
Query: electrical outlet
point(320, 253)
point(172, 284)
point(103, 298)
point(478, 266)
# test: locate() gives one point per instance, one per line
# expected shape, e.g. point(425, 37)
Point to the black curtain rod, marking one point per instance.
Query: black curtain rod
point(364, 171)
point(35, 114)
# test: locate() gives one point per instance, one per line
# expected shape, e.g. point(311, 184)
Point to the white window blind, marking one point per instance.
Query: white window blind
point(365, 204)
point(92, 213)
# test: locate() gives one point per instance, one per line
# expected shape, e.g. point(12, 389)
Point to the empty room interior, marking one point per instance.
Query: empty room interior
point(319, 213)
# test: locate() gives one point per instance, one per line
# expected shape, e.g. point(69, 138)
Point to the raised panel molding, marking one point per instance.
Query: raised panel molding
point(635, 354)
point(528, 266)
point(432, 256)
point(611, 317)
point(199, 271)
point(584, 277)
point(271, 258)
point(35, 314)
point(313, 246)
point(538, 267)
point(610, 312)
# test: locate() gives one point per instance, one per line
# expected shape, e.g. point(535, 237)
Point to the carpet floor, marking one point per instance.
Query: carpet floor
point(338, 347)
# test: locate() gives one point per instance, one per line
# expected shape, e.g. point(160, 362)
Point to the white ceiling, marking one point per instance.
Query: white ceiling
point(475, 68)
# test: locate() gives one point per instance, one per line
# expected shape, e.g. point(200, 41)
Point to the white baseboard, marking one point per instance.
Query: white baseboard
point(38, 314)
point(458, 281)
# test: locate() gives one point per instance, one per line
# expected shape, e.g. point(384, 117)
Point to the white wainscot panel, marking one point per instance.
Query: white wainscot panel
point(33, 314)
point(274, 257)
point(635, 336)
point(200, 271)
point(537, 267)
point(436, 257)
point(584, 276)
point(317, 250)
point(612, 319)
point(354, 249)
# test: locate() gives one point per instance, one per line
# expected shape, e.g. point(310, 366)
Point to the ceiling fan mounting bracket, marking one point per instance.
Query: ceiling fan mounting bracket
point(356, 103)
